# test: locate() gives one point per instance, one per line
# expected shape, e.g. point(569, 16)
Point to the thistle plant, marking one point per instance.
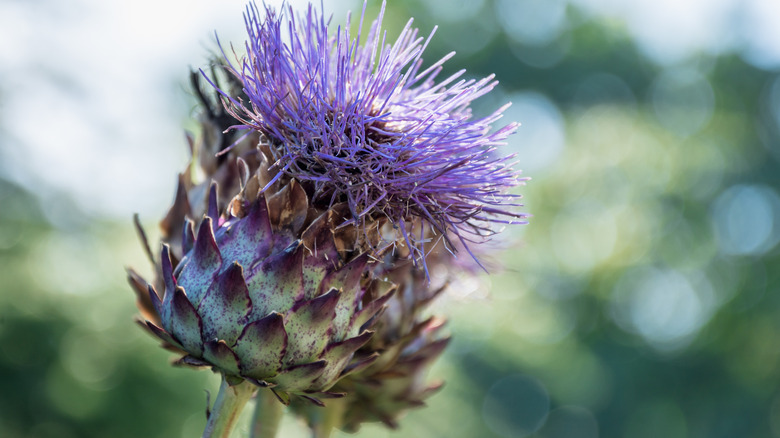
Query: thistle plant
point(338, 174)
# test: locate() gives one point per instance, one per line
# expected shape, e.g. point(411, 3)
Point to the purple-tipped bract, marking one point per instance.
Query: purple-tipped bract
point(367, 125)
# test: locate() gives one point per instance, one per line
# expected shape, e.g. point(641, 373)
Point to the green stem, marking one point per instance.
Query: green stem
point(328, 418)
point(228, 406)
point(268, 415)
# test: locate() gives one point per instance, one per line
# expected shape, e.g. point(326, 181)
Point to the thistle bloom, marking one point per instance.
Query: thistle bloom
point(366, 125)
point(331, 170)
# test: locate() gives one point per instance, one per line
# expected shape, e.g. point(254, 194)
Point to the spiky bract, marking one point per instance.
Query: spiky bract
point(385, 391)
point(263, 293)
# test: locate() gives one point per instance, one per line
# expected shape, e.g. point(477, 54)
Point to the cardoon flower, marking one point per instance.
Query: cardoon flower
point(263, 288)
point(331, 169)
point(365, 124)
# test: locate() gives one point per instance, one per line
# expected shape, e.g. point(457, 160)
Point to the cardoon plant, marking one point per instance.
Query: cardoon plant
point(338, 174)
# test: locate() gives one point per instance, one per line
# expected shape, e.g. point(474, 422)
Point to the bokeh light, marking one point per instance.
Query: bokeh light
point(665, 307)
point(746, 220)
point(541, 137)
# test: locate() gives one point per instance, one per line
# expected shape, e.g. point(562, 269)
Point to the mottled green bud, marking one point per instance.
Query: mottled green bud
point(263, 293)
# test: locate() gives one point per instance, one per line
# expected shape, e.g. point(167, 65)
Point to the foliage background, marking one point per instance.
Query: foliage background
point(641, 301)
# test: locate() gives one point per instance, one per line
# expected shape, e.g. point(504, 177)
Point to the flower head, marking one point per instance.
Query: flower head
point(365, 124)
point(329, 151)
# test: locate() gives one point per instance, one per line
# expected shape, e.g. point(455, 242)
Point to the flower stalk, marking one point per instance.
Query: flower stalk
point(268, 415)
point(227, 408)
point(328, 418)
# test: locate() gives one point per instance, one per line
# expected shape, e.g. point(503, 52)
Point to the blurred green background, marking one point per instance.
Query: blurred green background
point(641, 301)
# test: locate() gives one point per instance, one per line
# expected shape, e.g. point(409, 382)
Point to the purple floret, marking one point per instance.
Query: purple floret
point(366, 125)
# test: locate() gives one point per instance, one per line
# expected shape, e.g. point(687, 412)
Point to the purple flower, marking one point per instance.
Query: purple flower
point(366, 124)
